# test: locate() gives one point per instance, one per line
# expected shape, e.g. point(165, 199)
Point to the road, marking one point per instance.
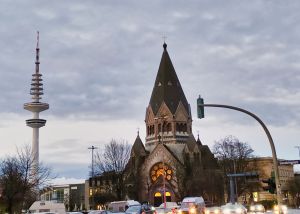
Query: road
point(290, 211)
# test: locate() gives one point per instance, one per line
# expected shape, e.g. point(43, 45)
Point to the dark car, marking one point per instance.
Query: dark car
point(140, 209)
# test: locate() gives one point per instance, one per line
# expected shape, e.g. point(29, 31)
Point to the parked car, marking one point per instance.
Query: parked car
point(99, 212)
point(74, 212)
point(171, 208)
point(283, 209)
point(48, 207)
point(141, 209)
point(257, 208)
point(235, 208)
point(121, 206)
point(192, 205)
point(212, 210)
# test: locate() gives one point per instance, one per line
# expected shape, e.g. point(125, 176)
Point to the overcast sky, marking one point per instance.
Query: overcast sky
point(99, 60)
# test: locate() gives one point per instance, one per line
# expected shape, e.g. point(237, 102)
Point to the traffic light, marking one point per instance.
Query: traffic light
point(271, 187)
point(200, 109)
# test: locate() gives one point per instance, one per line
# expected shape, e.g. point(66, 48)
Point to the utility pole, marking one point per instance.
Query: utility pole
point(92, 148)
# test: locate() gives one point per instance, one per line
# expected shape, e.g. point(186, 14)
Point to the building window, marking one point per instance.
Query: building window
point(169, 128)
point(161, 169)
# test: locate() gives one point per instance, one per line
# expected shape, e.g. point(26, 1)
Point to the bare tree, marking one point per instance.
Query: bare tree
point(232, 155)
point(293, 187)
point(20, 185)
point(114, 159)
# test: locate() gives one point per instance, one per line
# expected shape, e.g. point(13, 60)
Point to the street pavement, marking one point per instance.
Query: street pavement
point(290, 211)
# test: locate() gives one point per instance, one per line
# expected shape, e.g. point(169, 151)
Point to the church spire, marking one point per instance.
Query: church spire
point(167, 87)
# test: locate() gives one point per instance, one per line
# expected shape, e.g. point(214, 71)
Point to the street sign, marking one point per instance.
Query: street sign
point(289, 162)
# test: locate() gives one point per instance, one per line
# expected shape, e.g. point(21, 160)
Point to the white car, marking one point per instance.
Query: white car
point(283, 209)
point(257, 208)
point(212, 210)
point(235, 208)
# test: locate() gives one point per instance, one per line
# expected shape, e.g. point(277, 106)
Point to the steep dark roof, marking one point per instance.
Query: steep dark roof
point(138, 147)
point(167, 87)
point(199, 141)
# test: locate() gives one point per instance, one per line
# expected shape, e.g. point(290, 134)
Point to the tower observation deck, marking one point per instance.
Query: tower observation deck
point(36, 107)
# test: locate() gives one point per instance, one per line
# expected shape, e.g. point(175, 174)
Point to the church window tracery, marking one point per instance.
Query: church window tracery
point(161, 169)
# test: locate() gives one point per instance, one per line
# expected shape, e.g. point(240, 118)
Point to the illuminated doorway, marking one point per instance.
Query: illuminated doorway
point(157, 199)
point(168, 196)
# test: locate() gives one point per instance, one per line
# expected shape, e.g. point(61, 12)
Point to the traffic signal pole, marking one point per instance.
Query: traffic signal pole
point(201, 105)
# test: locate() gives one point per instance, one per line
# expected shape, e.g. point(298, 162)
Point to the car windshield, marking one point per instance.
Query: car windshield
point(187, 204)
point(133, 209)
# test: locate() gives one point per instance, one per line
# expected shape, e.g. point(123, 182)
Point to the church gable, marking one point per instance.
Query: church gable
point(181, 114)
point(164, 111)
point(149, 115)
point(159, 154)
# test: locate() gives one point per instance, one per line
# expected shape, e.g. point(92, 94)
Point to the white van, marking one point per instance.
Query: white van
point(47, 207)
point(192, 205)
point(121, 206)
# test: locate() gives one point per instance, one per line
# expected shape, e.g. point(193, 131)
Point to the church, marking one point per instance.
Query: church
point(171, 163)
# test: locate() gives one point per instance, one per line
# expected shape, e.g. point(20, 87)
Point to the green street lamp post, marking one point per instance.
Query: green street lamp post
point(200, 111)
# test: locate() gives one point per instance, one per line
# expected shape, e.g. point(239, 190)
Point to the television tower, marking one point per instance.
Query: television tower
point(36, 107)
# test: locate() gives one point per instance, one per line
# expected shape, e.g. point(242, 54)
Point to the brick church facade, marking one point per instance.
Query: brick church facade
point(171, 163)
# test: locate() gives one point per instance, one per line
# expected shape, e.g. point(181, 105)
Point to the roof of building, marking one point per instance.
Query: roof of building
point(176, 150)
point(199, 141)
point(138, 147)
point(167, 87)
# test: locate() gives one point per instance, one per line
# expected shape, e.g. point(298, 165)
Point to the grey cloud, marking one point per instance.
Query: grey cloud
point(100, 60)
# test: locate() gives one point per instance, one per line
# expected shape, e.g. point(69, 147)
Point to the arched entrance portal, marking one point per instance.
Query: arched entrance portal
point(159, 199)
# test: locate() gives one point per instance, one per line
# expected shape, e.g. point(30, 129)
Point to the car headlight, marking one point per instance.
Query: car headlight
point(284, 207)
point(226, 211)
point(216, 211)
point(192, 210)
point(238, 210)
point(259, 208)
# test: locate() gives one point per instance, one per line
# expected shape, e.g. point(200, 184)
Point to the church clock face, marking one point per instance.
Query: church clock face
point(161, 169)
